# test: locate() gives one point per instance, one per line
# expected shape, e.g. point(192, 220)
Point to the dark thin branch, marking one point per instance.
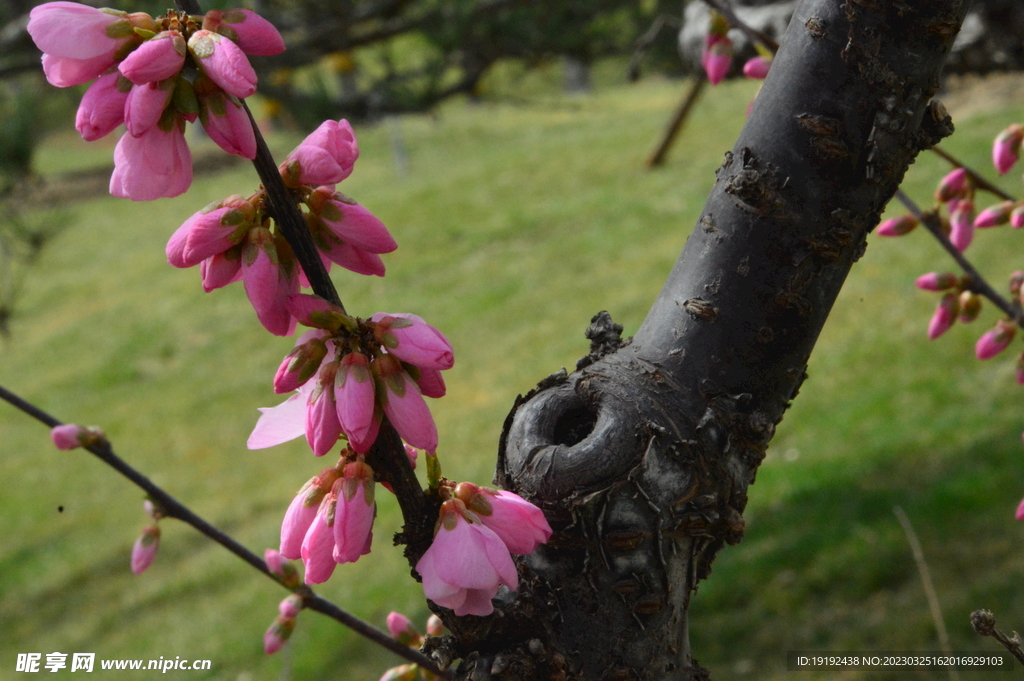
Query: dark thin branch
point(978, 284)
point(984, 624)
point(725, 9)
point(979, 181)
point(172, 508)
point(700, 79)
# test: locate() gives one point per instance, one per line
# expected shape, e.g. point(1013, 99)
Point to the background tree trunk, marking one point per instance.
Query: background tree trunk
point(643, 456)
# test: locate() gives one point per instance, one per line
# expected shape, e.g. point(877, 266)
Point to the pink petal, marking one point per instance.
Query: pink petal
point(279, 424)
point(156, 59)
point(145, 106)
point(156, 164)
point(355, 225)
point(102, 108)
point(70, 29)
point(228, 125)
point(251, 32)
point(318, 546)
point(67, 72)
point(223, 62)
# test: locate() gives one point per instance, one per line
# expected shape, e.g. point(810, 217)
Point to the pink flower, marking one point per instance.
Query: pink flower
point(412, 340)
point(465, 564)
point(278, 634)
point(68, 436)
point(933, 281)
point(757, 68)
point(318, 544)
point(945, 315)
point(993, 216)
point(353, 518)
point(223, 62)
point(269, 279)
point(1006, 148)
point(144, 550)
point(302, 511)
point(995, 341)
point(251, 32)
point(156, 164)
point(146, 104)
point(228, 125)
point(158, 58)
point(897, 226)
point(354, 396)
point(67, 72)
point(72, 30)
point(326, 156)
point(215, 229)
point(517, 522)
point(716, 57)
point(962, 222)
point(102, 107)
point(404, 405)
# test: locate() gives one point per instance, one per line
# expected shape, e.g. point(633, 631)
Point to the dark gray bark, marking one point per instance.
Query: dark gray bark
point(642, 459)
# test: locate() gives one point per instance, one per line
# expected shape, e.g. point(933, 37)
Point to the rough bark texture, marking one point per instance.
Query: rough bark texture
point(643, 456)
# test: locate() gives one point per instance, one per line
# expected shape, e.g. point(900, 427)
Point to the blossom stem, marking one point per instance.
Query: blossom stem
point(171, 507)
point(978, 284)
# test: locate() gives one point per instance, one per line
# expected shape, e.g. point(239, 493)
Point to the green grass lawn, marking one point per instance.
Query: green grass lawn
point(516, 223)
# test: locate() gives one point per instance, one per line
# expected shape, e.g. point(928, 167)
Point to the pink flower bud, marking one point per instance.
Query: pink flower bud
point(520, 524)
point(76, 31)
point(353, 519)
point(251, 32)
point(217, 228)
point(354, 396)
point(465, 564)
point(1016, 282)
point(945, 315)
point(67, 72)
point(326, 156)
point(897, 226)
point(435, 627)
point(302, 363)
point(318, 544)
point(970, 307)
point(757, 68)
point(355, 225)
point(268, 272)
point(144, 550)
point(322, 425)
point(302, 511)
point(356, 259)
point(221, 270)
point(404, 405)
point(68, 436)
point(102, 107)
point(156, 164)
point(314, 311)
point(1017, 217)
point(993, 216)
point(412, 340)
point(401, 628)
point(962, 223)
point(403, 672)
point(1020, 510)
point(1006, 148)
point(158, 58)
point(223, 62)
point(431, 383)
point(1020, 372)
point(996, 340)
point(291, 606)
point(716, 57)
point(278, 634)
point(933, 281)
point(146, 104)
point(954, 185)
point(228, 125)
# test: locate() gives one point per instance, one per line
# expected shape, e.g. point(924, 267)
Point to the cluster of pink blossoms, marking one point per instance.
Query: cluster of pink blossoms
point(235, 239)
point(141, 66)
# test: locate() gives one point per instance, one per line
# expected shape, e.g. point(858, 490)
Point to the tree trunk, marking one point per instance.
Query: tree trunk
point(642, 457)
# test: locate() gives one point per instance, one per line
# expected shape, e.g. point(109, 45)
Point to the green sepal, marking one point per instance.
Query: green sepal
point(433, 471)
